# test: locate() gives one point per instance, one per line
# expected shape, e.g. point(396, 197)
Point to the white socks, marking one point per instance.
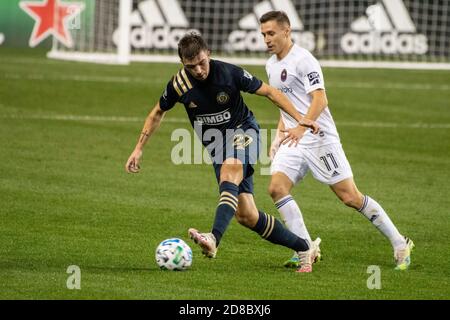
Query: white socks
point(379, 218)
point(292, 217)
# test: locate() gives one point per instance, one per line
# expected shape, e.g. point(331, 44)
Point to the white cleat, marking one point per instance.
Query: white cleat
point(307, 258)
point(206, 241)
point(403, 257)
point(317, 255)
point(305, 261)
point(294, 261)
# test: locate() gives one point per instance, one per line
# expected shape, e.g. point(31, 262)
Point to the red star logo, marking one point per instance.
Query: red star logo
point(51, 18)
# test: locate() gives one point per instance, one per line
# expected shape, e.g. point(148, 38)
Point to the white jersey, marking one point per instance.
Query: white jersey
point(297, 75)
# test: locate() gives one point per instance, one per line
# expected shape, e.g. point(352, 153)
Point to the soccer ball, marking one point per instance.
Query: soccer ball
point(173, 254)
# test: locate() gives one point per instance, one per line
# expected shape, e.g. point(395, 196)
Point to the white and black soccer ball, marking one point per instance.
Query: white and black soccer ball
point(173, 254)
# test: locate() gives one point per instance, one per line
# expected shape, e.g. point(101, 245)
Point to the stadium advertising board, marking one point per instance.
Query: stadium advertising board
point(335, 28)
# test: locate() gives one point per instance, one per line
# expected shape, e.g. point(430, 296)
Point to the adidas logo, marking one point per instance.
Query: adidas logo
point(248, 36)
point(335, 174)
point(386, 28)
point(157, 24)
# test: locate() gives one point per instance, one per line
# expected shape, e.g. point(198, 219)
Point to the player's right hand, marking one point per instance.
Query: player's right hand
point(132, 165)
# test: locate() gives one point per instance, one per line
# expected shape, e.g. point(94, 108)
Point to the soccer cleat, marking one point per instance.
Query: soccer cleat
point(307, 258)
point(317, 255)
point(206, 241)
point(403, 257)
point(305, 261)
point(294, 261)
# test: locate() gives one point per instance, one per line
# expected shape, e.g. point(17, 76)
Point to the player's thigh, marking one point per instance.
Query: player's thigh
point(247, 212)
point(328, 163)
point(240, 152)
point(290, 162)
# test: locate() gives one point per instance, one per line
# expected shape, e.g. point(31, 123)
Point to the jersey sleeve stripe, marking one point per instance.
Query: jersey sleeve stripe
point(176, 87)
point(186, 79)
point(180, 81)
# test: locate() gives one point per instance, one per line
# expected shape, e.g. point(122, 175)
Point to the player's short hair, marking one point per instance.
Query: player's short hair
point(191, 45)
point(279, 16)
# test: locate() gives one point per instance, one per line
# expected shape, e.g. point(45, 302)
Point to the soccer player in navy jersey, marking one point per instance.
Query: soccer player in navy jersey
point(210, 92)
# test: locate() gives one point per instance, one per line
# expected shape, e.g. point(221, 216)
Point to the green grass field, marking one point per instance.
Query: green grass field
point(66, 130)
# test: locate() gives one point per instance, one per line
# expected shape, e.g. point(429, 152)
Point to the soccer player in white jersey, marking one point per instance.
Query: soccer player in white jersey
point(295, 71)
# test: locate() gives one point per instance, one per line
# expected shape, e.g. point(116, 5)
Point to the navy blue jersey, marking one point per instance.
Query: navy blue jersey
point(215, 102)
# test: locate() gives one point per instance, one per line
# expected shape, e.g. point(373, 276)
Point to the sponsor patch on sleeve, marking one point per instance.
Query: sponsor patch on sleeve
point(314, 78)
point(248, 75)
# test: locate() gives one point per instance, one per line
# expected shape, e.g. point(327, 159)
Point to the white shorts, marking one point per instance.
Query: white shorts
point(327, 163)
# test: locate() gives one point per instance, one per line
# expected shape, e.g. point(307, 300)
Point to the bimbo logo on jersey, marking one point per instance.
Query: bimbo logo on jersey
point(387, 28)
point(214, 118)
point(157, 24)
point(248, 36)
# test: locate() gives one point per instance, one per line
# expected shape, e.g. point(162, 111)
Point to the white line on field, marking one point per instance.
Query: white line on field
point(80, 78)
point(398, 86)
point(69, 117)
point(147, 81)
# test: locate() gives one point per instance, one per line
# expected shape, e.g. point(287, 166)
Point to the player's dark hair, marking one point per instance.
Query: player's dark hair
point(279, 16)
point(191, 45)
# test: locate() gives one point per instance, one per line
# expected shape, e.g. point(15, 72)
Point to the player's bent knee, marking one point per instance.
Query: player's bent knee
point(234, 178)
point(351, 200)
point(277, 191)
point(232, 173)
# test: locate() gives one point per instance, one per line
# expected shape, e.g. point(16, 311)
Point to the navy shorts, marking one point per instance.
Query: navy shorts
point(242, 143)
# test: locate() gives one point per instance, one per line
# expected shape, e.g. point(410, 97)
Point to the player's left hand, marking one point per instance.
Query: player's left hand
point(310, 124)
point(132, 165)
point(293, 135)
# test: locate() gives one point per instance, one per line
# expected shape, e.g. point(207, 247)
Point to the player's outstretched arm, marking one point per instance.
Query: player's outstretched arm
point(152, 122)
point(295, 134)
